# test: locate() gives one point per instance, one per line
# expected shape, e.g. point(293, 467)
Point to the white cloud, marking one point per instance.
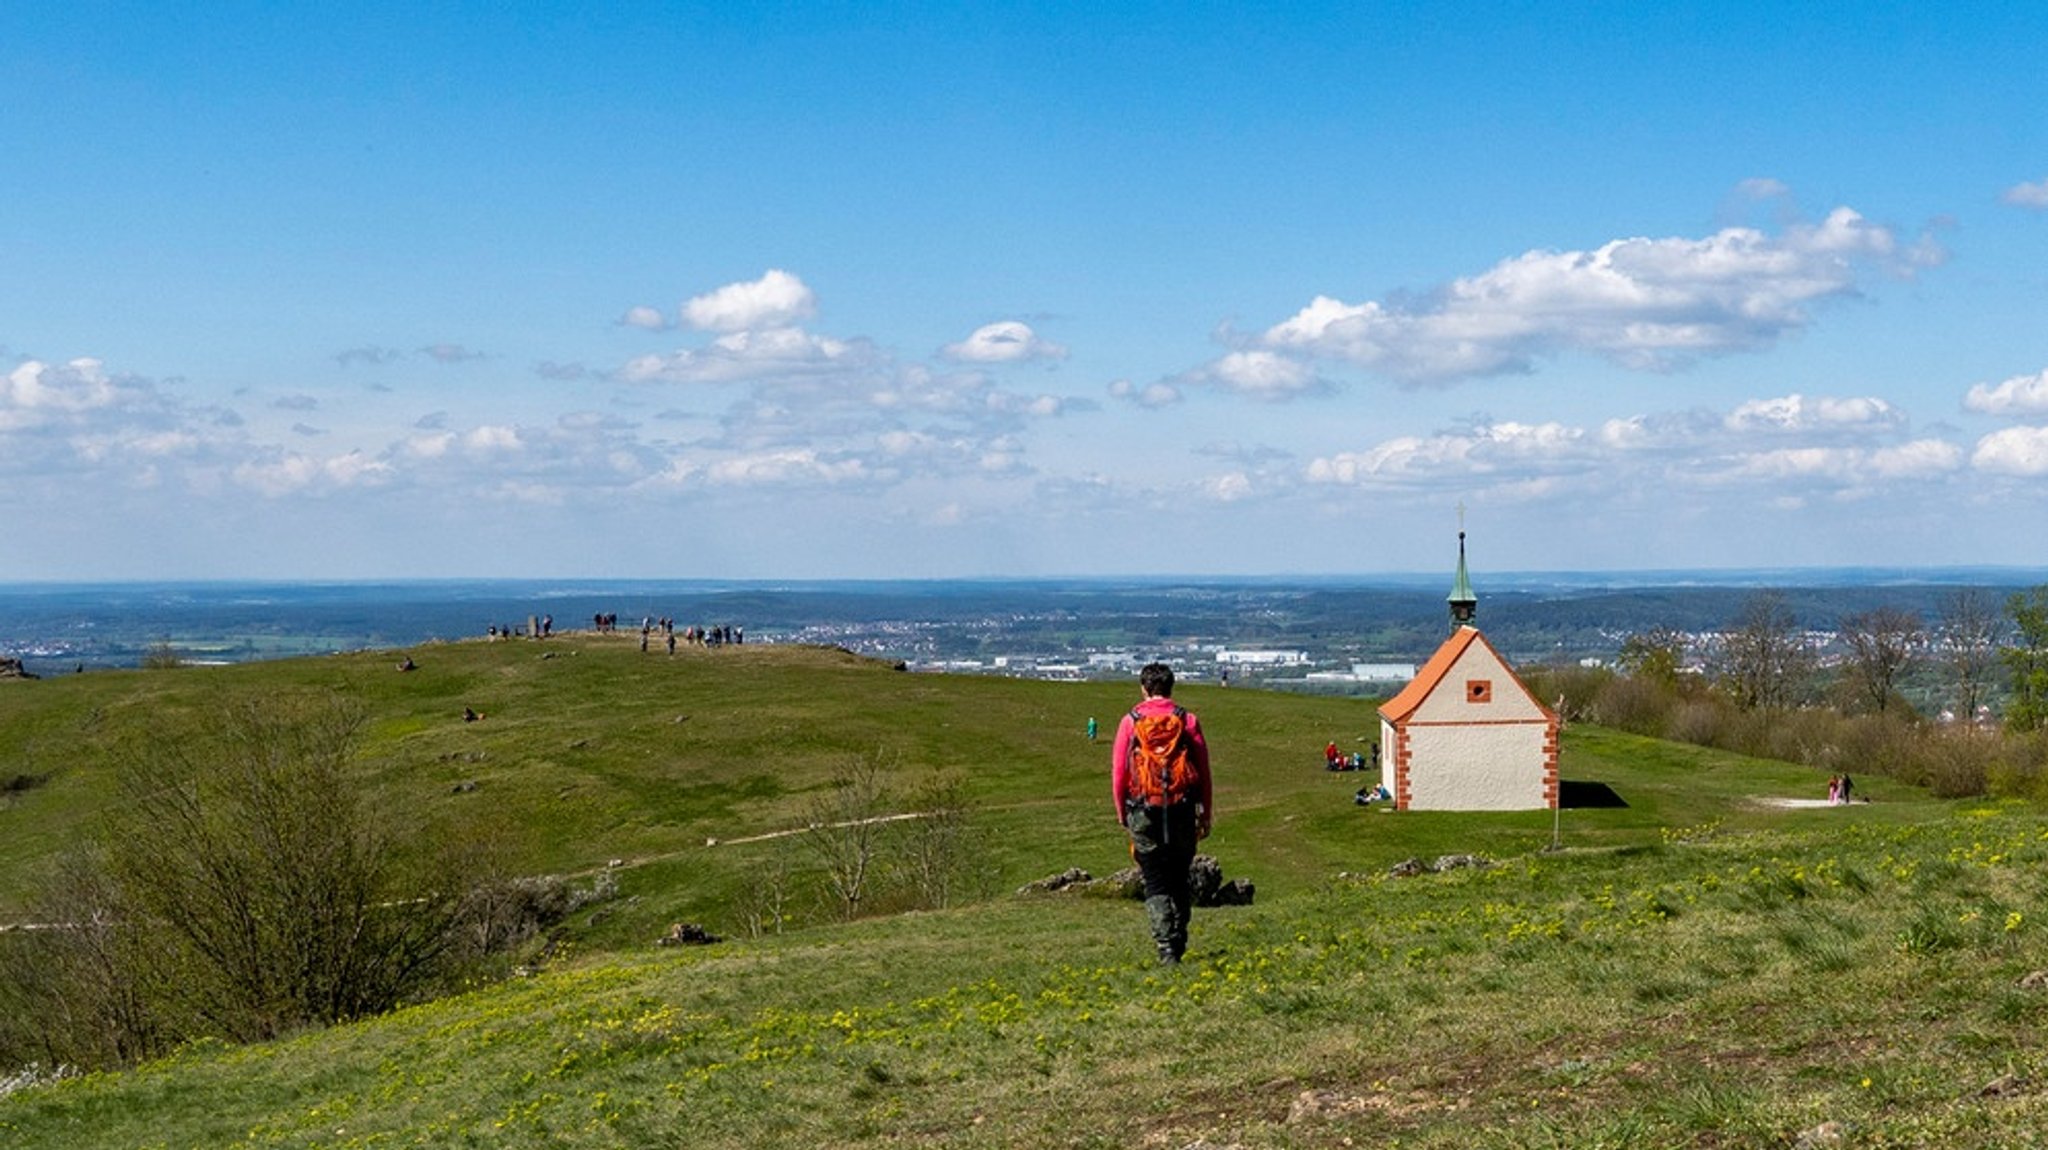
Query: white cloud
point(2013, 451)
point(778, 468)
point(1852, 466)
point(749, 355)
point(777, 299)
point(1644, 303)
point(1228, 488)
point(36, 392)
point(1012, 403)
point(1800, 414)
point(492, 437)
point(1482, 450)
point(2020, 395)
point(1161, 394)
point(1263, 374)
point(1922, 458)
point(289, 472)
point(2034, 195)
point(1006, 341)
point(650, 319)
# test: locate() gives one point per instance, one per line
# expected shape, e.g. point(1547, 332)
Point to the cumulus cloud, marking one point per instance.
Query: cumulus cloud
point(2013, 451)
point(1227, 488)
point(289, 472)
point(1851, 466)
point(650, 319)
point(1796, 446)
point(1801, 414)
point(2020, 395)
point(36, 393)
point(1481, 450)
point(2033, 196)
point(1006, 341)
point(797, 466)
point(1652, 304)
point(777, 299)
point(1161, 394)
point(1262, 374)
point(749, 355)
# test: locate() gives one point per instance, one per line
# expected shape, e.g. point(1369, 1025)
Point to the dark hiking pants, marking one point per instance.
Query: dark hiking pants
point(1163, 845)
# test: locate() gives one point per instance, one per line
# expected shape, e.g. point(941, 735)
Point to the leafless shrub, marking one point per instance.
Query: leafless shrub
point(1697, 721)
point(1632, 704)
point(845, 833)
point(933, 852)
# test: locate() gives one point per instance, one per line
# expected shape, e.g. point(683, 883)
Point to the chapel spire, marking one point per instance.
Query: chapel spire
point(1464, 604)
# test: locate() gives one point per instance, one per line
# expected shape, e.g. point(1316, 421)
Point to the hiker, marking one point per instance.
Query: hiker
point(1159, 781)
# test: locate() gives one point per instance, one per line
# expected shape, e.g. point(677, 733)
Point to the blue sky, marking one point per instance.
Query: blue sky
point(798, 291)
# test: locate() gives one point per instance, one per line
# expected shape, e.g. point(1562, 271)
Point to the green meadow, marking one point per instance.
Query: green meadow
point(1709, 965)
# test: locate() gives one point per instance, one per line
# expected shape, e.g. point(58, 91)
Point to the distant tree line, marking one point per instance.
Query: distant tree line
point(1760, 686)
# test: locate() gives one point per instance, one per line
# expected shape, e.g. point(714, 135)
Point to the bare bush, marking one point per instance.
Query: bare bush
point(845, 833)
point(1632, 704)
point(1961, 765)
point(237, 890)
point(1697, 721)
point(933, 851)
point(69, 992)
point(765, 902)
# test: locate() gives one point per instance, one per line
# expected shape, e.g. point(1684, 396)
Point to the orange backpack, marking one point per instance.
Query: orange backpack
point(1160, 774)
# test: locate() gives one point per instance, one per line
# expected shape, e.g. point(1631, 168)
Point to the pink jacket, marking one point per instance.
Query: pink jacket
point(1120, 757)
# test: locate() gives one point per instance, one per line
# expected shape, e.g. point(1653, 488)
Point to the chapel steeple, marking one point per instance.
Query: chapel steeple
point(1464, 604)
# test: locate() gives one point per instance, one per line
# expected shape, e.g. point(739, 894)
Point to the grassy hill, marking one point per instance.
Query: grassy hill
point(1699, 967)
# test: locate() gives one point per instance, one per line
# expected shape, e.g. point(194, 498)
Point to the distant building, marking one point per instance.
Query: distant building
point(1262, 658)
point(1465, 734)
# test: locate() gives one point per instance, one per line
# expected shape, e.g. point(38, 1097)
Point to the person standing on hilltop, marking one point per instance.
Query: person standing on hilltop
point(1159, 781)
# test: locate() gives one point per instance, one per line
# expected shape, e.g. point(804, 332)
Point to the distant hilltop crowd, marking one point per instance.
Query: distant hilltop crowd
point(543, 627)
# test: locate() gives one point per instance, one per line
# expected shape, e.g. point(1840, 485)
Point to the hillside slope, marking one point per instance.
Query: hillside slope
point(1697, 968)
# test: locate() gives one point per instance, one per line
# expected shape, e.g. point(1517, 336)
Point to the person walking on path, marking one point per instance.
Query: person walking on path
point(1159, 781)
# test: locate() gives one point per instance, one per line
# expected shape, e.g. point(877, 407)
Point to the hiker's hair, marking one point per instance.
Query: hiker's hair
point(1156, 679)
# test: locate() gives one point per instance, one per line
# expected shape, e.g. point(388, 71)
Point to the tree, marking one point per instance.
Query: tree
point(2026, 659)
point(1880, 642)
point(1763, 656)
point(1967, 639)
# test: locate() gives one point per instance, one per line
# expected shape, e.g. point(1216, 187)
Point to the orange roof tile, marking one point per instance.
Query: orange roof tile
point(1402, 705)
